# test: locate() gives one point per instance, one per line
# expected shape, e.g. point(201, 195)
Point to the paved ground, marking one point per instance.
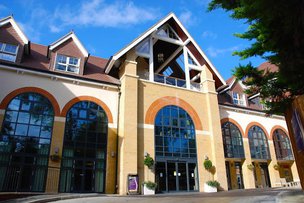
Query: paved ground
point(239, 196)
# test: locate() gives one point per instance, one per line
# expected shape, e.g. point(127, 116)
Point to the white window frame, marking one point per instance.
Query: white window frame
point(240, 99)
point(66, 64)
point(3, 52)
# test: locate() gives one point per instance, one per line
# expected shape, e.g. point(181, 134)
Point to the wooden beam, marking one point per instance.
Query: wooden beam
point(151, 63)
point(167, 39)
point(169, 59)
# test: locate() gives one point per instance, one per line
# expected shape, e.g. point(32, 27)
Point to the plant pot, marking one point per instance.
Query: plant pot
point(147, 191)
point(209, 189)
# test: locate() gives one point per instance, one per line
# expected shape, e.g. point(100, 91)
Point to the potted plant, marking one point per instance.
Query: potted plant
point(148, 161)
point(149, 188)
point(250, 166)
point(211, 186)
point(55, 157)
point(276, 167)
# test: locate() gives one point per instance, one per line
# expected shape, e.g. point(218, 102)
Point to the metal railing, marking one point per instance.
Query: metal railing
point(176, 82)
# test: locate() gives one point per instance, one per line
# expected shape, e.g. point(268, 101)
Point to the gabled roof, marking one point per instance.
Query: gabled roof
point(12, 21)
point(149, 32)
point(230, 82)
point(75, 39)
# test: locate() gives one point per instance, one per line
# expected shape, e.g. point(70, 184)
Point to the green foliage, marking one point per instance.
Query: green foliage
point(213, 183)
point(148, 161)
point(208, 164)
point(275, 28)
point(250, 166)
point(150, 185)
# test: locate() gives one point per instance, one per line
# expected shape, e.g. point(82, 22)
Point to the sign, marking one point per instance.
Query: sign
point(298, 130)
point(132, 184)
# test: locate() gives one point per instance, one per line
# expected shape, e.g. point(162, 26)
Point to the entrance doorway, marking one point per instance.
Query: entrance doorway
point(265, 179)
point(176, 176)
point(234, 175)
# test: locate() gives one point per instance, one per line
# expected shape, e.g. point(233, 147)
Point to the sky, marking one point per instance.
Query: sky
point(106, 26)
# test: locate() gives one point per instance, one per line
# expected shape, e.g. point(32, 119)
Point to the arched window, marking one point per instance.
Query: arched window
point(84, 149)
point(282, 145)
point(25, 143)
point(232, 140)
point(174, 133)
point(258, 143)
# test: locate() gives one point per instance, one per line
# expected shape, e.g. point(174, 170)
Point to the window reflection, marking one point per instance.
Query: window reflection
point(25, 141)
point(258, 143)
point(282, 145)
point(232, 141)
point(174, 133)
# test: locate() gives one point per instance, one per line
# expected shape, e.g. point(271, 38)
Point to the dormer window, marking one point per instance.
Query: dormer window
point(8, 52)
point(67, 63)
point(238, 99)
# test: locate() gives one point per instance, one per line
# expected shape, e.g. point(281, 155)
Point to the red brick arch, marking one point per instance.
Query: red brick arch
point(278, 127)
point(166, 101)
point(224, 120)
point(49, 96)
point(259, 125)
point(67, 107)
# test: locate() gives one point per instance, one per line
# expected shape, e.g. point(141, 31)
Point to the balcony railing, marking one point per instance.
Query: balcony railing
point(176, 82)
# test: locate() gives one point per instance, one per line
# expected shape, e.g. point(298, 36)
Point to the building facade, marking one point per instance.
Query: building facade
point(72, 122)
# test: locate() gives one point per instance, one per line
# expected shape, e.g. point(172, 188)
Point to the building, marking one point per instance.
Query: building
point(72, 122)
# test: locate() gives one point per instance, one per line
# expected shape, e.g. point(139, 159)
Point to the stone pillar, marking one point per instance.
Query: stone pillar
point(52, 182)
point(127, 122)
point(111, 160)
point(218, 158)
point(248, 175)
point(274, 174)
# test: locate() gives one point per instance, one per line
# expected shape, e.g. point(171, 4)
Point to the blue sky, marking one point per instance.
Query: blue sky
point(104, 27)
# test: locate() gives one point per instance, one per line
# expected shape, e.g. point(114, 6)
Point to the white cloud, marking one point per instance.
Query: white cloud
point(186, 18)
point(214, 52)
point(98, 13)
point(54, 29)
point(209, 34)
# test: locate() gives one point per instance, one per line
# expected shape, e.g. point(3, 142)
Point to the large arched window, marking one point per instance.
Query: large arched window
point(174, 133)
point(258, 143)
point(282, 145)
point(25, 143)
point(232, 140)
point(84, 150)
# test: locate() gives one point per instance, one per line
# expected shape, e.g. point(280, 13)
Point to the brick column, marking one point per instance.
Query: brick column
point(127, 147)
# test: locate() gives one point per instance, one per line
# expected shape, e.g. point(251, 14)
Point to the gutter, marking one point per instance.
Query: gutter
point(117, 141)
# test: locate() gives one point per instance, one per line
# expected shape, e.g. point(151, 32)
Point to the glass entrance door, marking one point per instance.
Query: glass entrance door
point(176, 176)
point(239, 175)
point(172, 178)
point(265, 175)
point(227, 164)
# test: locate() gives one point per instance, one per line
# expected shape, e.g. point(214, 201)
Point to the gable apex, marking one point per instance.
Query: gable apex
point(152, 30)
point(70, 35)
point(11, 20)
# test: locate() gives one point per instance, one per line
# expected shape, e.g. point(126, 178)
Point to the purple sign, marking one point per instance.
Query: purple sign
point(133, 183)
point(298, 130)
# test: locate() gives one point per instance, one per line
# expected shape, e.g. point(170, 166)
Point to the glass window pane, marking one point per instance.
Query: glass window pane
point(10, 48)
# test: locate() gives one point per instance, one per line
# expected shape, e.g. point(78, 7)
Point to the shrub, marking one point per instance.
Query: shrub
point(208, 164)
point(150, 185)
point(148, 161)
point(213, 183)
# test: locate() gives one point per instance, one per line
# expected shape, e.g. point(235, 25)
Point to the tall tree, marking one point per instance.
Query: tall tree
point(276, 30)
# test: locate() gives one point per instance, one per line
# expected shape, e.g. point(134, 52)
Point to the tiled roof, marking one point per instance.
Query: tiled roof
point(94, 69)
point(268, 66)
